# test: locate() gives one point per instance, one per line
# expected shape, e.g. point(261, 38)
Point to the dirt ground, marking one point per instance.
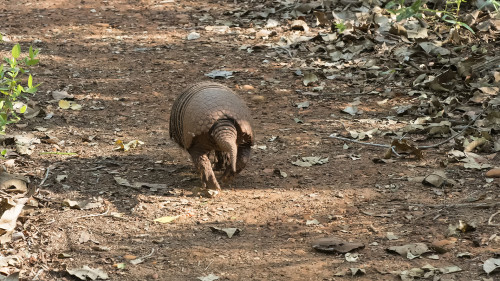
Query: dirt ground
point(125, 61)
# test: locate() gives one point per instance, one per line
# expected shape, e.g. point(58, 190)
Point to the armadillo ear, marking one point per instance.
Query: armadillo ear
point(225, 136)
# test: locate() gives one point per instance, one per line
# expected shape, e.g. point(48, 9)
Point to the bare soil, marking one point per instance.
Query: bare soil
point(125, 61)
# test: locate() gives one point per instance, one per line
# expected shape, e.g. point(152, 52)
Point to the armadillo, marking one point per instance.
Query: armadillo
point(209, 117)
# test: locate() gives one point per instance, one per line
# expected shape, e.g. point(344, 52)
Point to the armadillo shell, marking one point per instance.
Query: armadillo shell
point(197, 109)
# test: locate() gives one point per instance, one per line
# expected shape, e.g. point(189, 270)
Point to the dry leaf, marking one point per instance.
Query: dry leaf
point(410, 251)
point(64, 104)
point(335, 245)
point(167, 219)
point(85, 271)
point(230, 232)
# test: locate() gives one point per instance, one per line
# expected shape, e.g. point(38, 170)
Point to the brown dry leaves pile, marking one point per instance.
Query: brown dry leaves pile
point(455, 78)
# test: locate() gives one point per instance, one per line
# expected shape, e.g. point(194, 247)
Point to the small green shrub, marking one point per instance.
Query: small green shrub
point(11, 85)
point(402, 12)
point(449, 14)
point(340, 27)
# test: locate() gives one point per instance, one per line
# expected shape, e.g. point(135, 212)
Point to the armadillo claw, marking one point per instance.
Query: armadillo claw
point(205, 192)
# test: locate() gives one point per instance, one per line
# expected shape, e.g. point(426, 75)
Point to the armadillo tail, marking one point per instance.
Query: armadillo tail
point(225, 135)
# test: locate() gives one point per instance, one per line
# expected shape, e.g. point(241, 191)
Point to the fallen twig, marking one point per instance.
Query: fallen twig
point(360, 142)
point(141, 259)
point(436, 213)
point(442, 207)
point(37, 274)
point(4, 194)
point(46, 176)
point(209, 265)
point(491, 219)
point(360, 93)
point(367, 143)
point(286, 50)
point(150, 254)
point(393, 148)
point(462, 205)
point(455, 135)
point(95, 215)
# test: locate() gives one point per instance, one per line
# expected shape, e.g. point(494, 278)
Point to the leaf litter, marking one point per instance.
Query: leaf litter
point(335, 245)
point(410, 251)
point(355, 29)
point(229, 232)
point(310, 161)
point(86, 272)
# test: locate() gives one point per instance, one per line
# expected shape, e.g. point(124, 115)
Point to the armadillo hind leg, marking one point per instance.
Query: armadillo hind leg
point(210, 187)
point(225, 135)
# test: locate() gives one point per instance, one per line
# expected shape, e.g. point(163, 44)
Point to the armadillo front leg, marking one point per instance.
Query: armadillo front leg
point(210, 186)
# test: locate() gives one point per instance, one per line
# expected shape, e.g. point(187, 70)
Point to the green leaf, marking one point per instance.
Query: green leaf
point(22, 110)
point(16, 51)
point(408, 12)
point(33, 52)
point(31, 90)
point(466, 26)
point(121, 265)
point(416, 6)
point(1, 37)
point(390, 4)
point(32, 62)
point(4, 151)
point(30, 81)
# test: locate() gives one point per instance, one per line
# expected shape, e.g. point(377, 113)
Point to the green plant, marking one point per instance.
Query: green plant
point(494, 3)
point(415, 10)
point(11, 87)
point(340, 26)
point(449, 14)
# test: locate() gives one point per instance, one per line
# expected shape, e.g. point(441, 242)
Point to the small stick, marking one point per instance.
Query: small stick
point(4, 194)
point(360, 142)
point(209, 265)
point(436, 214)
point(46, 176)
point(286, 50)
point(147, 256)
point(491, 219)
point(38, 273)
point(454, 136)
point(462, 205)
point(394, 151)
point(95, 215)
